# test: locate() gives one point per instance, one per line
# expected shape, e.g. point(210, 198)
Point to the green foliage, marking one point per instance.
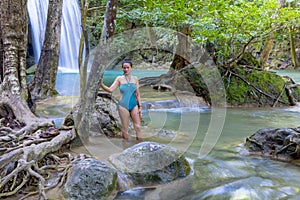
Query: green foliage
point(227, 25)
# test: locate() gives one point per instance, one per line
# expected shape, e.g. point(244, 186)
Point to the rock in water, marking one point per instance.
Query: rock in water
point(151, 163)
point(90, 179)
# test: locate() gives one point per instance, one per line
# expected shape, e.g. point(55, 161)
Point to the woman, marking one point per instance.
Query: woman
point(130, 102)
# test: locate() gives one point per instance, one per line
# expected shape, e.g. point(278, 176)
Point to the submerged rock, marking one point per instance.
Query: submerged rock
point(277, 143)
point(151, 163)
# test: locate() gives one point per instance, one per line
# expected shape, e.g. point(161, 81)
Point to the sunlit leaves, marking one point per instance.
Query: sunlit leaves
point(227, 24)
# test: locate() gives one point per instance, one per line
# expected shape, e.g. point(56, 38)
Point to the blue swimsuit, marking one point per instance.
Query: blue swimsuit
point(128, 92)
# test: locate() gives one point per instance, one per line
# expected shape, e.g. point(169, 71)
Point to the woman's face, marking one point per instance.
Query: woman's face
point(126, 68)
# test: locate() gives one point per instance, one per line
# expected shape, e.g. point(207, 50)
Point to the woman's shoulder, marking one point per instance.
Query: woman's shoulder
point(135, 78)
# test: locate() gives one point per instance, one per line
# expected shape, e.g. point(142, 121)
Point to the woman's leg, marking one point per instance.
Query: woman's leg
point(136, 120)
point(124, 116)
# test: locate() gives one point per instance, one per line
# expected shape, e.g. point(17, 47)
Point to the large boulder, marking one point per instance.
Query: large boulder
point(275, 143)
point(151, 163)
point(244, 87)
point(90, 179)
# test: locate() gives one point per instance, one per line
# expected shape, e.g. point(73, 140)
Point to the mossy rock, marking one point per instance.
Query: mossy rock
point(257, 88)
point(244, 87)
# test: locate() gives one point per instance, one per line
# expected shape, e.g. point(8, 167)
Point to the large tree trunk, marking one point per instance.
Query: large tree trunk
point(43, 83)
point(183, 49)
point(13, 46)
point(109, 25)
point(25, 139)
point(97, 70)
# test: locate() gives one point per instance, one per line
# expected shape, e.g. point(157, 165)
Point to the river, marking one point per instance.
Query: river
point(225, 172)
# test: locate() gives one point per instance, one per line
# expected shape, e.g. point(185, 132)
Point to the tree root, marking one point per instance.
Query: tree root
point(32, 163)
point(30, 148)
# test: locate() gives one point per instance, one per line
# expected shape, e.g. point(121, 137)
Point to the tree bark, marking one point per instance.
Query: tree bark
point(43, 83)
point(13, 48)
point(109, 25)
point(293, 49)
point(265, 54)
point(183, 50)
point(23, 136)
point(99, 63)
point(84, 42)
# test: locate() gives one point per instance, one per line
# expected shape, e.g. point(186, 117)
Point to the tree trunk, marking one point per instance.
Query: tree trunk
point(293, 50)
point(96, 73)
point(109, 25)
point(183, 49)
point(83, 43)
point(284, 3)
point(13, 48)
point(43, 84)
point(264, 56)
point(23, 136)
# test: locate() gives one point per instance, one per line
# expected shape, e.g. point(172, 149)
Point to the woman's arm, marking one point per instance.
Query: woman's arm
point(113, 86)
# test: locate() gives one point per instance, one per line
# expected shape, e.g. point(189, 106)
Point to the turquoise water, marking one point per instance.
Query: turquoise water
point(68, 84)
point(295, 75)
point(227, 171)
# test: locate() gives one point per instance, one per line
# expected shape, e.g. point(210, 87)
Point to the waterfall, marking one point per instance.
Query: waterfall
point(70, 31)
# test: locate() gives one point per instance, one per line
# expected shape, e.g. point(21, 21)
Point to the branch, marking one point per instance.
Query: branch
point(240, 56)
point(256, 88)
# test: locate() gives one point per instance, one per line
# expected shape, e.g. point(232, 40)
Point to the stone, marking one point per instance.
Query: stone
point(104, 118)
point(151, 163)
point(90, 179)
point(276, 143)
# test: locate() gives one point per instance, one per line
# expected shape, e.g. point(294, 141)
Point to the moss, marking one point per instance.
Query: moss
point(235, 93)
point(111, 187)
point(249, 60)
point(196, 81)
point(186, 166)
point(146, 178)
point(250, 89)
point(69, 121)
point(240, 92)
point(31, 70)
point(53, 92)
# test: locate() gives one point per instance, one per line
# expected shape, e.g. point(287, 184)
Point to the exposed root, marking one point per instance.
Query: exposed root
point(31, 160)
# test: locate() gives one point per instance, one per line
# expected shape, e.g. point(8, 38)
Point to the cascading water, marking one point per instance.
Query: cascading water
point(70, 31)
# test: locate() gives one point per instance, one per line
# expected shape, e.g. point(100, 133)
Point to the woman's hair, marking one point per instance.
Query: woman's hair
point(127, 61)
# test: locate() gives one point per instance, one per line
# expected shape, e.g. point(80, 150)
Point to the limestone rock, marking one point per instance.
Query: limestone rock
point(90, 179)
point(105, 118)
point(151, 163)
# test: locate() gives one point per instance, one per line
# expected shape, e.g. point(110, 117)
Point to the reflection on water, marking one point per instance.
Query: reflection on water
point(227, 172)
